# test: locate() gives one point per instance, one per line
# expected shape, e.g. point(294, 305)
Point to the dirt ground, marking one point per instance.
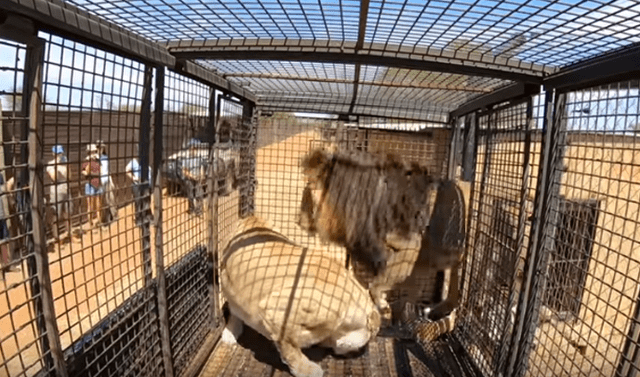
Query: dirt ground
point(91, 275)
point(95, 272)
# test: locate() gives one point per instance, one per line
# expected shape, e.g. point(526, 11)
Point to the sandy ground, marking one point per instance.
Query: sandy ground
point(92, 274)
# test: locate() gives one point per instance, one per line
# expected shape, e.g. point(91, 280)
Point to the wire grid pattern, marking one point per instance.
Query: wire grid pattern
point(528, 34)
point(592, 271)
point(21, 339)
point(590, 239)
point(282, 141)
point(189, 306)
point(533, 38)
point(431, 149)
point(96, 260)
point(383, 356)
point(186, 146)
point(247, 146)
point(294, 288)
point(291, 86)
point(236, 162)
point(229, 209)
point(409, 93)
point(125, 343)
point(496, 236)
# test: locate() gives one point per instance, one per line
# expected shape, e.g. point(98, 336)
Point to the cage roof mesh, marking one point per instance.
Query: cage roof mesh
point(412, 58)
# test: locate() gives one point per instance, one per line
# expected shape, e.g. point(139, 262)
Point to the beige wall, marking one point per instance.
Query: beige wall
point(595, 168)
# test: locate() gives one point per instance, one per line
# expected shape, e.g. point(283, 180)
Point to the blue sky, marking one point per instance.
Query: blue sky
point(559, 31)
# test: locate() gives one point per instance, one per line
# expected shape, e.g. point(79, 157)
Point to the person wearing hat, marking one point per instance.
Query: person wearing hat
point(93, 189)
point(59, 196)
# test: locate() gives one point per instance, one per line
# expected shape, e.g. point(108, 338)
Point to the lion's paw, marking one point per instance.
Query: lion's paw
point(228, 337)
point(307, 369)
point(232, 330)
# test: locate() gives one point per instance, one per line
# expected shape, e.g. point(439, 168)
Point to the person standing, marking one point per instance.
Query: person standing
point(59, 197)
point(134, 172)
point(110, 211)
point(93, 189)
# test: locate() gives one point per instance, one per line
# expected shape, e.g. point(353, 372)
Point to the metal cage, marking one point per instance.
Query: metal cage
point(136, 135)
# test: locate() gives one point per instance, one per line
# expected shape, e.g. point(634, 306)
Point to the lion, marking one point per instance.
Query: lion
point(295, 296)
point(442, 246)
point(357, 200)
point(386, 219)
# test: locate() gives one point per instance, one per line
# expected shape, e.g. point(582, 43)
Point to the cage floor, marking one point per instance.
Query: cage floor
point(254, 355)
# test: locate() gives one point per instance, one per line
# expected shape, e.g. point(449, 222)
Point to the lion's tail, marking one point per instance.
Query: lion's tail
point(426, 331)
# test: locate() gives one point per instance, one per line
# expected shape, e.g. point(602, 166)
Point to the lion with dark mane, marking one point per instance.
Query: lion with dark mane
point(395, 220)
point(364, 198)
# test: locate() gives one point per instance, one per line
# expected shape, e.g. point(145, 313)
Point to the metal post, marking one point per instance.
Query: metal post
point(483, 184)
point(143, 158)
point(454, 147)
point(163, 307)
point(629, 359)
point(543, 231)
point(38, 265)
point(522, 220)
point(247, 161)
point(469, 148)
point(470, 157)
point(212, 224)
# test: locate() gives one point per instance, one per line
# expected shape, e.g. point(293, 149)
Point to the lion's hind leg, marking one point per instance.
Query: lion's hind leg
point(446, 306)
point(350, 342)
point(232, 330)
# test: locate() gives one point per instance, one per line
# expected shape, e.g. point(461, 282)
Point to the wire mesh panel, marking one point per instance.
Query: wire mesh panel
point(590, 239)
point(189, 306)
point(429, 147)
point(92, 102)
point(245, 181)
point(124, 343)
point(502, 197)
point(234, 166)
point(501, 40)
point(188, 140)
point(23, 348)
point(78, 293)
point(284, 139)
point(186, 148)
point(414, 142)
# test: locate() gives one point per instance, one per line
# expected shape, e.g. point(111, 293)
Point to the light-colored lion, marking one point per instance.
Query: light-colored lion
point(295, 296)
